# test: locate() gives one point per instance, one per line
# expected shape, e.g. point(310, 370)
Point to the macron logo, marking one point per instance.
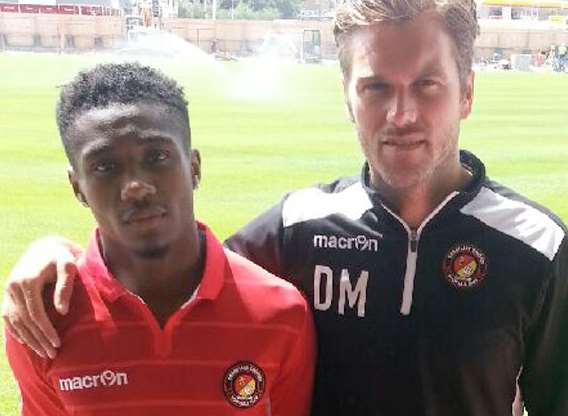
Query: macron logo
point(360, 243)
point(107, 378)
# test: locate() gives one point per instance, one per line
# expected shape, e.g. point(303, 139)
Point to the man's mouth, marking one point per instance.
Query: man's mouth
point(142, 215)
point(406, 142)
point(405, 138)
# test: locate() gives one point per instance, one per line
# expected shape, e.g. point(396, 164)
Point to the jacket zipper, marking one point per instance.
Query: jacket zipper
point(413, 240)
point(410, 273)
point(412, 254)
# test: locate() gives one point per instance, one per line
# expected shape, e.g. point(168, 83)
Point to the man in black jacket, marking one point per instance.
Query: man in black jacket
point(435, 290)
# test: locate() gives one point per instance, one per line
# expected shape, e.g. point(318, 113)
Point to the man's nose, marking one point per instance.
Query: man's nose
point(137, 190)
point(402, 110)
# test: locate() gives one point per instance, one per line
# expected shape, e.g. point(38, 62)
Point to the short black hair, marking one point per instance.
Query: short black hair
point(116, 83)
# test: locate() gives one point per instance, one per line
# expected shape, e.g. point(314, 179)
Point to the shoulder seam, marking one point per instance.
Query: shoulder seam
point(517, 219)
point(315, 203)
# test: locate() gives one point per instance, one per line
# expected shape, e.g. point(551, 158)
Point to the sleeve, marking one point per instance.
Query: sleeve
point(293, 389)
point(544, 378)
point(260, 241)
point(38, 397)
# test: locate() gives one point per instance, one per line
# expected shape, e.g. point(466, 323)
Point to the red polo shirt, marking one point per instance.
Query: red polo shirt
point(242, 345)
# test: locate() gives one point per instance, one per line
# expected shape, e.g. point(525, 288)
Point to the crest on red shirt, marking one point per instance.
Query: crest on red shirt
point(244, 384)
point(465, 266)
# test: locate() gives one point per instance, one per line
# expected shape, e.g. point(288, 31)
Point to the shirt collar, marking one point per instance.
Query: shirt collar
point(111, 289)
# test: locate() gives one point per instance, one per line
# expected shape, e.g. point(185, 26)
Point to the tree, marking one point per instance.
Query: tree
point(261, 9)
point(191, 9)
point(243, 9)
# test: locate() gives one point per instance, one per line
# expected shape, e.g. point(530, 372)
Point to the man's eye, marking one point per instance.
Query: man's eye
point(104, 167)
point(376, 87)
point(428, 84)
point(158, 156)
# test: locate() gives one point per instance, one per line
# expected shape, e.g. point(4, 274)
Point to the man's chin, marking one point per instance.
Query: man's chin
point(153, 251)
point(400, 181)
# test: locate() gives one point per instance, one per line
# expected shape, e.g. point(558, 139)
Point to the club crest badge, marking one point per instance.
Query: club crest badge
point(465, 266)
point(244, 384)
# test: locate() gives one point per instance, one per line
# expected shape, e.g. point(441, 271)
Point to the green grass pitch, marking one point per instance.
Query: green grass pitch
point(262, 130)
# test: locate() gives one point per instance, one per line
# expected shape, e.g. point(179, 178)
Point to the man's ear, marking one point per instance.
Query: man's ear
point(195, 168)
point(467, 96)
point(76, 188)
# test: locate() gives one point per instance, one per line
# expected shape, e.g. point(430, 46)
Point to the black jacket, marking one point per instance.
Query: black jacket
point(440, 321)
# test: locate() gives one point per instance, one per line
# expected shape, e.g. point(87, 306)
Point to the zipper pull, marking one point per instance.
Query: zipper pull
point(413, 241)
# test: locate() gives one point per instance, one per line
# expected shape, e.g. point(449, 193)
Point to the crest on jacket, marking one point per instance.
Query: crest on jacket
point(465, 266)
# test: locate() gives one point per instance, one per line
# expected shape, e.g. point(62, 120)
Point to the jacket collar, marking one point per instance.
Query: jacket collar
point(471, 189)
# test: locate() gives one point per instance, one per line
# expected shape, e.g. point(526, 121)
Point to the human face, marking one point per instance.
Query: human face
point(406, 101)
point(133, 170)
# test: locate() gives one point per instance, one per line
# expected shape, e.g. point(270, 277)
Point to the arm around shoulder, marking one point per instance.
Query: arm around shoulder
point(48, 260)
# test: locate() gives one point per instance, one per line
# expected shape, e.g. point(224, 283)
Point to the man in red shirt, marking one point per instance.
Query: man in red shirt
point(164, 320)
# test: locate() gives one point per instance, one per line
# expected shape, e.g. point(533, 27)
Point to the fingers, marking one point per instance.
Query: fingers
point(22, 326)
point(49, 260)
point(66, 273)
point(33, 308)
point(7, 324)
point(36, 322)
point(28, 339)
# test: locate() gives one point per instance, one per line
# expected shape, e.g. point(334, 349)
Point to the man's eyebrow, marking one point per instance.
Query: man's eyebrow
point(432, 68)
point(371, 78)
point(152, 138)
point(97, 149)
